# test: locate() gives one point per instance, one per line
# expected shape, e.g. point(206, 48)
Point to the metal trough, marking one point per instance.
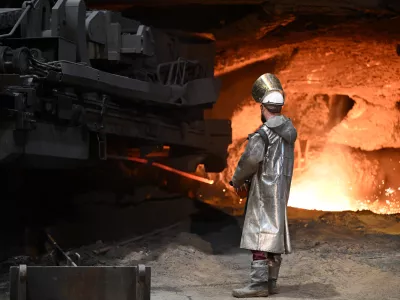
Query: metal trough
point(80, 283)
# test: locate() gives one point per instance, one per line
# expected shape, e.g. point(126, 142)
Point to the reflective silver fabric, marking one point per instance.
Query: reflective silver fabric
point(259, 271)
point(266, 225)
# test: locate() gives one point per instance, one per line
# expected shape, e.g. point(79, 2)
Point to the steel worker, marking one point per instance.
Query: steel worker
point(267, 163)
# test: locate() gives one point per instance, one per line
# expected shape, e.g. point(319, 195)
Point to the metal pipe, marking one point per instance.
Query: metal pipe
point(29, 5)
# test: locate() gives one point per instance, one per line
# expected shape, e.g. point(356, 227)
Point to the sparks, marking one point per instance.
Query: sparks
point(334, 180)
point(389, 191)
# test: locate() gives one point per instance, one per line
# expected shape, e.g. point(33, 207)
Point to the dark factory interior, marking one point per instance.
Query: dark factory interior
point(122, 124)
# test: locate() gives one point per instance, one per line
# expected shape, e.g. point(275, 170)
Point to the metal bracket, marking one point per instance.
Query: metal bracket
point(22, 276)
point(102, 141)
point(101, 136)
point(143, 280)
point(103, 108)
point(75, 261)
point(24, 119)
point(80, 283)
point(179, 72)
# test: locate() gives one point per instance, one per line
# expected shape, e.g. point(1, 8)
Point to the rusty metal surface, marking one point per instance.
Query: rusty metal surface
point(81, 283)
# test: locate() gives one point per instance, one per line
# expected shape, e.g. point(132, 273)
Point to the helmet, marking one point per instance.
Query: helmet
point(267, 89)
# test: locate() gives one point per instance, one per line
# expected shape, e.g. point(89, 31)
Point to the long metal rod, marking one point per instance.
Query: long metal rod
point(56, 246)
point(164, 167)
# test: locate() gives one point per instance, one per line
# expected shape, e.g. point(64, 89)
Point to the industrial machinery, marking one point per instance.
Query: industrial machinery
point(79, 86)
point(72, 281)
point(80, 283)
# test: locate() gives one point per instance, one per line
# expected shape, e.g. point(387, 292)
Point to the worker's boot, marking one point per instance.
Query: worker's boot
point(274, 265)
point(259, 281)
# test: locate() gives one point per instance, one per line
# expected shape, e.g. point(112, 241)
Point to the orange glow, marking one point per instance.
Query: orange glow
point(334, 180)
point(164, 152)
point(164, 167)
point(337, 181)
point(326, 185)
point(185, 174)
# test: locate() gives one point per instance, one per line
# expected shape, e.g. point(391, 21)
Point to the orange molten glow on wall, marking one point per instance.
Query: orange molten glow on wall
point(336, 179)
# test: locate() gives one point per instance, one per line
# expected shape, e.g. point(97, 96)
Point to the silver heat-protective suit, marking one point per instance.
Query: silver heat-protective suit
point(270, 169)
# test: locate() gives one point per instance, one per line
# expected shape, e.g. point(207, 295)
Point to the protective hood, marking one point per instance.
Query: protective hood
point(283, 126)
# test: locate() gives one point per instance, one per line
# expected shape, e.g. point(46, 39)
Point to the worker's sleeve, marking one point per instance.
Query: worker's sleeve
point(249, 162)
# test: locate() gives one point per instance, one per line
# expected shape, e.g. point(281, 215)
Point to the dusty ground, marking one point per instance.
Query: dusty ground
point(337, 256)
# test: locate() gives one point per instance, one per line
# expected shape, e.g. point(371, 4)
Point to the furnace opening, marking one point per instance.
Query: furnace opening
point(339, 106)
point(328, 176)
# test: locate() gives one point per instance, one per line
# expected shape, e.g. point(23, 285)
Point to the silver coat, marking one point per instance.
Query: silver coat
point(270, 169)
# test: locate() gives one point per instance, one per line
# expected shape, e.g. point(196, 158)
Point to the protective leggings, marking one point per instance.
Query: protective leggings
point(260, 255)
point(274, 261)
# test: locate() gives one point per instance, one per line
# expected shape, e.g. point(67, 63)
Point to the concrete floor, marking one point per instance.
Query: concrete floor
point(304, 276)
point(333, 259)
point(330, 261)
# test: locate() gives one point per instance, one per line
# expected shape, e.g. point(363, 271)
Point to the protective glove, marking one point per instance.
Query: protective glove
point(242, 191)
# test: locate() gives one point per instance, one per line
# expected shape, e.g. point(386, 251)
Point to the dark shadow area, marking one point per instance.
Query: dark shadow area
point(339, 107)
point(82, 206)
point(307, 27)
point(79, 208)
point(236, 87)
point(314, 290)
point(31, 201)
point(192, 17)
point(210, 223)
